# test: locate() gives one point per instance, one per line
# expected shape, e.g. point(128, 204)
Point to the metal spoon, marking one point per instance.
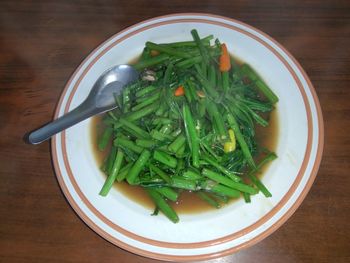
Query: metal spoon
point(99, 100)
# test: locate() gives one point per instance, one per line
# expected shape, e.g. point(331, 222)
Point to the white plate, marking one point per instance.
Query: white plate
point(210, 234)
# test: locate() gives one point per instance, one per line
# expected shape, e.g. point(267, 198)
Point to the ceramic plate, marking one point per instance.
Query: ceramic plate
point(217, 232)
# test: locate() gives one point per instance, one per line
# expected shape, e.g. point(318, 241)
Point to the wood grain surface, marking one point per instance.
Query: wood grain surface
point(42, 42)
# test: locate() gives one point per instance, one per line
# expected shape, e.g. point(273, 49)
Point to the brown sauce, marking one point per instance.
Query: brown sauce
point(188, 202)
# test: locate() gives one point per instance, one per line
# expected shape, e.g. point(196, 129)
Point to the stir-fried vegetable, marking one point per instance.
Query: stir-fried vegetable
point(189, 126)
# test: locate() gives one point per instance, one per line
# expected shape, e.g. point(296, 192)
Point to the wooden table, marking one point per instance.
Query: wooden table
point(42, 42)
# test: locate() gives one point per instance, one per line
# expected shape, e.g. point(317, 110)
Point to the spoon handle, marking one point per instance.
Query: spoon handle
point(77, 115)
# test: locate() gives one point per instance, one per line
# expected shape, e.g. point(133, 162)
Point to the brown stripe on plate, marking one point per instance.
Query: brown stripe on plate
point(205, 243)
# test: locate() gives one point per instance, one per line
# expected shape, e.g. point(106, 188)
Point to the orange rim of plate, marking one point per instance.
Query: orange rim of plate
point(192, 17)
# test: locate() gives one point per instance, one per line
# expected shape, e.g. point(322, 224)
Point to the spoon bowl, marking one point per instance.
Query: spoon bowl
point(99, 100)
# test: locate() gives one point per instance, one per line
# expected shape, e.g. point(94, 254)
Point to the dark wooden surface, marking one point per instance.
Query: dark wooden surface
point(42, 42)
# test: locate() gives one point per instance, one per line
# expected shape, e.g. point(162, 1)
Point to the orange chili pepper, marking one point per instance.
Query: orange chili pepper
point(180, 91)
point(225, 62)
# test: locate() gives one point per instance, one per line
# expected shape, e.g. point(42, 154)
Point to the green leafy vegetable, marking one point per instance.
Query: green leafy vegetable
point(168, 142)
